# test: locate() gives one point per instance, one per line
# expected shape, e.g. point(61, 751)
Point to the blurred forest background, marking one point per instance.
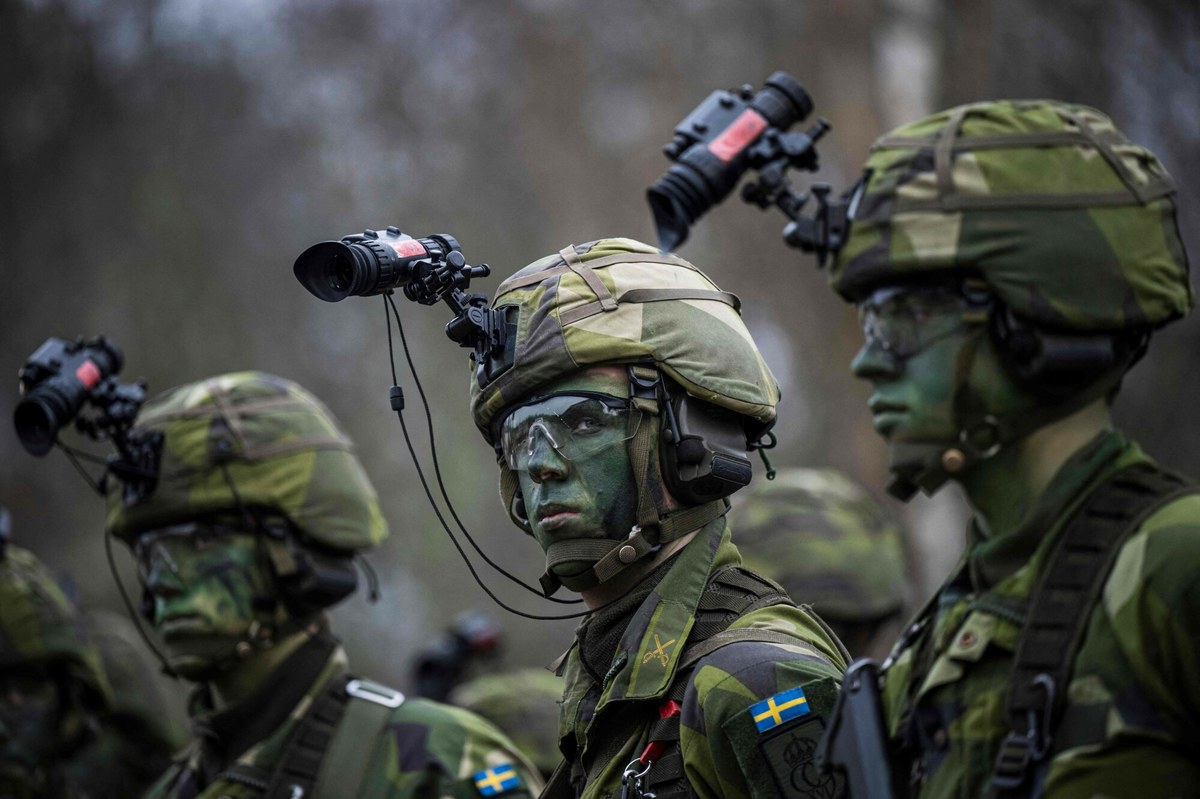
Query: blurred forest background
point(162, 163)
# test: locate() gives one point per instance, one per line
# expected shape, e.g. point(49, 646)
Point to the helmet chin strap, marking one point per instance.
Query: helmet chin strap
point(654, 527)
point(927, 465)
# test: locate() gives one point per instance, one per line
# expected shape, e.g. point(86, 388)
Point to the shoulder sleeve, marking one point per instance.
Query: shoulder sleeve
point(1151, 602)
point(752, 715)
point(434, 750)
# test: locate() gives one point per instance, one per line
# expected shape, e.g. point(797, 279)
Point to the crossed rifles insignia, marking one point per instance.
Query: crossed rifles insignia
point(659, 652)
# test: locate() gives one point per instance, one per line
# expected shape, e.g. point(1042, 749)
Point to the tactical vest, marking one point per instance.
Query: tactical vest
point(336, 730)
point(732, 593)
point(1055, 620)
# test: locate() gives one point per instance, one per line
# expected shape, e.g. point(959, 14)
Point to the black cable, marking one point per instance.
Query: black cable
point(95, 484)
point(437, 470)
point(433, 504)
point(133, 614)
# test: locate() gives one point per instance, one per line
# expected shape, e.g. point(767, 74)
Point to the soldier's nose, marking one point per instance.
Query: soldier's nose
point(873, 362)
point(545, 462)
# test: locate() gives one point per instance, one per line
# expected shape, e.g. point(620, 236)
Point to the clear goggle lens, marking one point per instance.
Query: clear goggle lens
point(576, 426)
point(904, 321)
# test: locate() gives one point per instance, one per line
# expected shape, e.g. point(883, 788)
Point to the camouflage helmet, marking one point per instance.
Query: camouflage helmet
point(252, 440)
point(39, 627)
point(617, 301)
point(1071, 224)
point(827, 541)
point(523, 703)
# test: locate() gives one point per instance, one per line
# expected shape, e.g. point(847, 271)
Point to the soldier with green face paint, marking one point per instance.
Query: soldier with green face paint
point(1009, 261)
point(248, 533)
point(827, 541)
point(621, 420)
point(61, 734)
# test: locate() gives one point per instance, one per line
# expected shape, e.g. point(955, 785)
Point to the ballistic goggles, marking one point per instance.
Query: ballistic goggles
point(904, 320)
point(575, 425)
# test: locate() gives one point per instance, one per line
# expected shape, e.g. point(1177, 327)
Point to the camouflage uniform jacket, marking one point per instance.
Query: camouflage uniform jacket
point(1131, 724)
point(604, 726)
point(419, 749)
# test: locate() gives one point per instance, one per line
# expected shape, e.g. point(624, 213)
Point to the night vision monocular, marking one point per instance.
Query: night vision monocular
point(733, 132)
point(428, 270)
point(60, 380)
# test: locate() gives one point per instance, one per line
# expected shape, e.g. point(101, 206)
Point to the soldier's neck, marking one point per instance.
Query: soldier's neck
point(1005, 489)
point(251, 674)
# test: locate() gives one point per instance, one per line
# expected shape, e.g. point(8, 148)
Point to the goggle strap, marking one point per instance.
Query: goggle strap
point(282, 561)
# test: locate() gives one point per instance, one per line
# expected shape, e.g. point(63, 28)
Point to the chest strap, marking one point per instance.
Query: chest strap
point(1060, 609)
point(320, 735)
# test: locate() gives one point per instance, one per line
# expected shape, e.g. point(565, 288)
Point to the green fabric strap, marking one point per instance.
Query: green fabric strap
point(613, 557)
point(350, 750)
point(1060, 610)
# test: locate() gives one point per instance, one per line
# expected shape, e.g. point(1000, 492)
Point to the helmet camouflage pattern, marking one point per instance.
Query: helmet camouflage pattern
point(39, 627)
point(523, 703)
point(269, 440)
point(827, 541)
point(617, 301)
point(1071, 224)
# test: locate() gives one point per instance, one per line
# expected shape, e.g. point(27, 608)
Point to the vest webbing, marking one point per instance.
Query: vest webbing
point(318, 733)
point(750, 591)
point(1060, 609)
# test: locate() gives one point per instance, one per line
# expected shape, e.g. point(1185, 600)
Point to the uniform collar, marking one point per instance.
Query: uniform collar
point(648, 653)
point(993, 559)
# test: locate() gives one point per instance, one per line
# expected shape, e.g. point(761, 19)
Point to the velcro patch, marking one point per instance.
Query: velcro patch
point(789, 753)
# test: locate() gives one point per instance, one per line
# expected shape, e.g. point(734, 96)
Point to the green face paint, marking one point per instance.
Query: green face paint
point(916, 340)
point(592, 495)
point(204, 585)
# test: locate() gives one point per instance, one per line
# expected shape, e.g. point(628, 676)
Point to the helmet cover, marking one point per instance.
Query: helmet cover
point(277, 444)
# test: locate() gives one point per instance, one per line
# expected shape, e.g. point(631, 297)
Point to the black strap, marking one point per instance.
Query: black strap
point(296, 771)
point(1060, 609)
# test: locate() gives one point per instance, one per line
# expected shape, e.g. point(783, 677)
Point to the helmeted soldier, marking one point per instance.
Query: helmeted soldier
point(1009, 261)
point(257, 508)
point(831, 545)
point(621, 418)
point(60, 735)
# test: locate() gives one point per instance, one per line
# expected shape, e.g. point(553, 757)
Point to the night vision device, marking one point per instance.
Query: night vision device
point(60, 380)
point(732, 132)
point(428, 270)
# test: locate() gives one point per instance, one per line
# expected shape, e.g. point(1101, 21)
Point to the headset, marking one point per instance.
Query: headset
point(703, 448)
point(1056, 365)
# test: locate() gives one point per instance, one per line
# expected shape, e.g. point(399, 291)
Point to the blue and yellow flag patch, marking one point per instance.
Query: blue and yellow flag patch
point(775, 710)
point(497, 779)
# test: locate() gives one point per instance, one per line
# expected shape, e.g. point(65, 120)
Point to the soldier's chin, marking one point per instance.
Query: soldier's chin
point(202, 658)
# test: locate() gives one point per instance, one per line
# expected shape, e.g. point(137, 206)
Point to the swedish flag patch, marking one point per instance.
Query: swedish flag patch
point(775, 710)
point(497, 779)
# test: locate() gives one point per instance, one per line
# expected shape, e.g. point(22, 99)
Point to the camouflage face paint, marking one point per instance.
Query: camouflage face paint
point(204, 586)
point(593, 498)
point(916, 341)
point(914, 397)
point(30, 712)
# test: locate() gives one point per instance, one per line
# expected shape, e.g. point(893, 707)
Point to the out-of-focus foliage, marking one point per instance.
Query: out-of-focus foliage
point(162, 162)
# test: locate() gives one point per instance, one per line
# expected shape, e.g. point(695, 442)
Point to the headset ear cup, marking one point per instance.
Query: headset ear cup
point(1054, 366)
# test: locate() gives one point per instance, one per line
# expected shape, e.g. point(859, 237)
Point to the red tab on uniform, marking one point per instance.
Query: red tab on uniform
point(652, 751)
point(669, 708)
point(738, 135)
point(88, 374)
point(409, 248)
